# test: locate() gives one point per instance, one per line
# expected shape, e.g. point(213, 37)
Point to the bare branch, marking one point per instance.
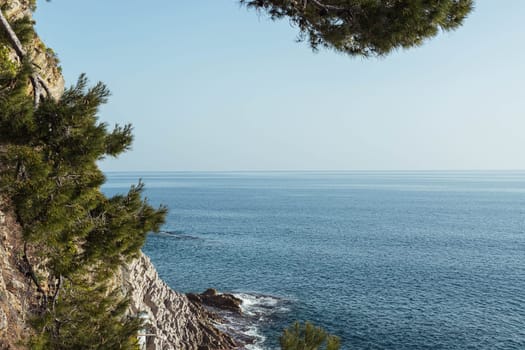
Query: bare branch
point(11, 35)
point(57, 290)
point(33, 276)
point(327, 7)
point(36, 81)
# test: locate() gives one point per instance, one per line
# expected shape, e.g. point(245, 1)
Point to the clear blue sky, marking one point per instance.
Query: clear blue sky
point(210, 85)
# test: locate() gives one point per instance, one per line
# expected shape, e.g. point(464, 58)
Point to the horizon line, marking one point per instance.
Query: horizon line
point(313, 170)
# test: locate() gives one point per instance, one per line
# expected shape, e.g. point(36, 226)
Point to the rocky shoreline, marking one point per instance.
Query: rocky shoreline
point(175, 320)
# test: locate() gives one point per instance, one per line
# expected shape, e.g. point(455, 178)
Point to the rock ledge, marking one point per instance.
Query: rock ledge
point(177, 322)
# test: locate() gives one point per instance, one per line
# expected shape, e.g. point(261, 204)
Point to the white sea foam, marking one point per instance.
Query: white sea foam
point(254, 347)
point(253, 331)
point(256, 305)
point(256, 310)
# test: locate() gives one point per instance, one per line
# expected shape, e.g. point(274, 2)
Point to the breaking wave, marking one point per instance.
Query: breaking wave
point(257, 311)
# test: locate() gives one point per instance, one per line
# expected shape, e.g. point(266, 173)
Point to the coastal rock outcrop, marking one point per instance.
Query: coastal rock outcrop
point(173, 320)
point(214, 299)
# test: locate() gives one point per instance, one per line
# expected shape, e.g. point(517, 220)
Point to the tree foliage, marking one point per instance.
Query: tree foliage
point(88, 316)
point(366, 27)
point(54, 182)
point(76, 235)
point(306, 336)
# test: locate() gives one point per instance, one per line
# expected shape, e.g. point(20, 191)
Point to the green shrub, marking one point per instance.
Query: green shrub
point(306, 336)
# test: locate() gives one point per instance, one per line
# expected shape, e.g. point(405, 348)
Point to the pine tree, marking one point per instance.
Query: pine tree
point(366, 27)
point(51, 176)
point(76, 235)
point(307, 337)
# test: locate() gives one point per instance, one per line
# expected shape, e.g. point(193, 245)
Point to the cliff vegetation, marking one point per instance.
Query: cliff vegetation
point(74, 237)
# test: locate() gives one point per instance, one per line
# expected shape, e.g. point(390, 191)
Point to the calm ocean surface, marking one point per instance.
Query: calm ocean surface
point(384, 260)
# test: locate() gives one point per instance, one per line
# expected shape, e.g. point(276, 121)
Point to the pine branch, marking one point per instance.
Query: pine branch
point(325, 6)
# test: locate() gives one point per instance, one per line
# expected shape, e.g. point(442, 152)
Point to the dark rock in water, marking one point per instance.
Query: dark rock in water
point(222, 301)
point(210, 292)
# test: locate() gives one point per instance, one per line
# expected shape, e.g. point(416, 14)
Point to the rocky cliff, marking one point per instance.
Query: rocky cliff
point(16, 291)
point(173, 321)
point(44, 59)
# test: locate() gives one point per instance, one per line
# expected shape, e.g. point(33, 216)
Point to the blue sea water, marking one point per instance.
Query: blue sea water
point(384, 260)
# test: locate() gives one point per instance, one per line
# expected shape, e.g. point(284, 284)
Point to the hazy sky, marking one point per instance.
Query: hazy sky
point(209, 85)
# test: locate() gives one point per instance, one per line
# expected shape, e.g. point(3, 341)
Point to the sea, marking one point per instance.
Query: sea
point(383, 260)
